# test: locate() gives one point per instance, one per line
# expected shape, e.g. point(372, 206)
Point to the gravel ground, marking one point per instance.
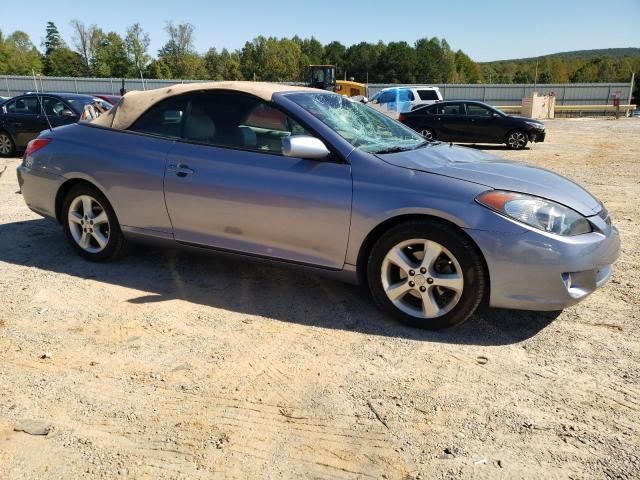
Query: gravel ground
point(165, 364)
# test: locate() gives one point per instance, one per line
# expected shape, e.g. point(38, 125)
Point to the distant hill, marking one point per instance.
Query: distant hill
point(578, 55)
point(579, 66)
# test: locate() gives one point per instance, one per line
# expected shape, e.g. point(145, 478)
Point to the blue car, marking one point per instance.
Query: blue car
point(314, 180)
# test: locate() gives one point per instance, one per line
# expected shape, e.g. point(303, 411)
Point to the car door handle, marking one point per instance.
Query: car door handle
point(181, 170)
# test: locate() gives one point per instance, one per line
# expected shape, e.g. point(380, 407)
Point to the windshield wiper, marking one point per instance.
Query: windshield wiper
point(392, 150)
point(397, 149)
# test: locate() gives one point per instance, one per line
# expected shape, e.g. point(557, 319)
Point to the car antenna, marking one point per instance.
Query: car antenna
point(39, 97)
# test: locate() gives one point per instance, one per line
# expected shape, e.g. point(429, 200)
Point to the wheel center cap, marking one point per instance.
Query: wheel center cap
point(420, 280)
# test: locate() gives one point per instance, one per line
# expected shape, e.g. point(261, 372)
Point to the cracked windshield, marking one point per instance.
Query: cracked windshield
point(358, 124)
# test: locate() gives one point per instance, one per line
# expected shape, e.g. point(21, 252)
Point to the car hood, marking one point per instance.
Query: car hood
point(479, 167)
point(528, 119)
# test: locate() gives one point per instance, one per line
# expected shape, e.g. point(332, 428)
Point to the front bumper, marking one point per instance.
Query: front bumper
point(537, 136)
point(539, 271)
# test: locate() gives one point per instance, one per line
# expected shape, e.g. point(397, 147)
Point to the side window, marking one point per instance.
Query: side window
point(263, 116)
point(165, 119)
point(53, 106)
point(26, 105)
point(452, 109)
point(10, 107)
point(428, 95)
point(238, 121)
point(387, 97)
point(478, 110)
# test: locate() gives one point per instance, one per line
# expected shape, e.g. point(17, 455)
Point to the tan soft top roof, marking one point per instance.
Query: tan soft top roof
point(134, 104)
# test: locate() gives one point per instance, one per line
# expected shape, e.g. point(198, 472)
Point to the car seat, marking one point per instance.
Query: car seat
point(49, 110)
point(199, 127)
point(245, 137)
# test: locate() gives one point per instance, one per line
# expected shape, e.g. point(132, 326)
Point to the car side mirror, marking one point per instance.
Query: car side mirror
point(67, 113)
point(304, 146)
point(172, 117)
point(495, 115)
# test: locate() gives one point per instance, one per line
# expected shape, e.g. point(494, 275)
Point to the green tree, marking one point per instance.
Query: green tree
point(250, 62)
point(137, 44)
point(18, 56)
point(362, 61)
point(273, 60)
point(179, 53)
point(59, 60)
point(4, 57)
point(396, 63)
point(522, 76)
point(334, 54)
point(545, 76)
point(111, 59)
point(466, 70)
point(282, 60)
point(435, 62)
point(87, 39)
point(158, 69)
point(313, 50)
point(64, 62)
point(53, 40)
point(223, 66)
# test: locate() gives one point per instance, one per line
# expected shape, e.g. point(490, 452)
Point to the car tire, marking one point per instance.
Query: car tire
point(451, 259)
point(517, 139)
point(7, 145)
point(427, 133)
point(91, 225)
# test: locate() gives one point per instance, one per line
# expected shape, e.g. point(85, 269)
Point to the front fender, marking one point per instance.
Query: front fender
point(387, 191)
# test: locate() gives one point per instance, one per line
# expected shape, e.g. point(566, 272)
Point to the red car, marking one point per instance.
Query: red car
point(112, 99)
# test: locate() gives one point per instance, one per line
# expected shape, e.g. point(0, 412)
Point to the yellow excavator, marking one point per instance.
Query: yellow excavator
point(324, 78)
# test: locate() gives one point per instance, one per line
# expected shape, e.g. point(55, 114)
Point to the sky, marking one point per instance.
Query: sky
point(484, 29)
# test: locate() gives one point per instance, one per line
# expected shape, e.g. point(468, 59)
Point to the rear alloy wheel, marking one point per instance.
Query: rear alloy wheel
point(428, 134)
point(427, 274)
point(91, 224)
point(517, 140)
point(7, 147)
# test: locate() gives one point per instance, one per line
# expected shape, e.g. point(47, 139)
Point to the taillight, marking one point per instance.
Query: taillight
point(36, 144)
point(402, 117)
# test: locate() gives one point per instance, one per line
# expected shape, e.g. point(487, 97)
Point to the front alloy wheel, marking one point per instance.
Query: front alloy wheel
point(422, 278)
point(517, 140)
point(427, 273)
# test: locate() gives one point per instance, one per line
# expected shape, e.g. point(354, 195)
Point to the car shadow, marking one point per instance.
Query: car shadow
point(489, 147)
point(250, 288)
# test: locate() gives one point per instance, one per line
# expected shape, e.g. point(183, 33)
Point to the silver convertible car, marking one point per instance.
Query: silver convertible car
point(309, 178)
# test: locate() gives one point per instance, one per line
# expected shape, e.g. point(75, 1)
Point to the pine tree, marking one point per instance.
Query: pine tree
point(53, 40)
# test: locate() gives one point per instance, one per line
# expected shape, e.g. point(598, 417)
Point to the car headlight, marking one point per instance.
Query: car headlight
point(536, 212)
point(539, 126)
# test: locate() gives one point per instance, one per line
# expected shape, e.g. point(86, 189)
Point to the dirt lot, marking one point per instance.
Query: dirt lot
point(170, 365)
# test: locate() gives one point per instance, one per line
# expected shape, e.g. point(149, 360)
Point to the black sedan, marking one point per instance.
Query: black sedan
point(473, 122)
point(22, 118)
